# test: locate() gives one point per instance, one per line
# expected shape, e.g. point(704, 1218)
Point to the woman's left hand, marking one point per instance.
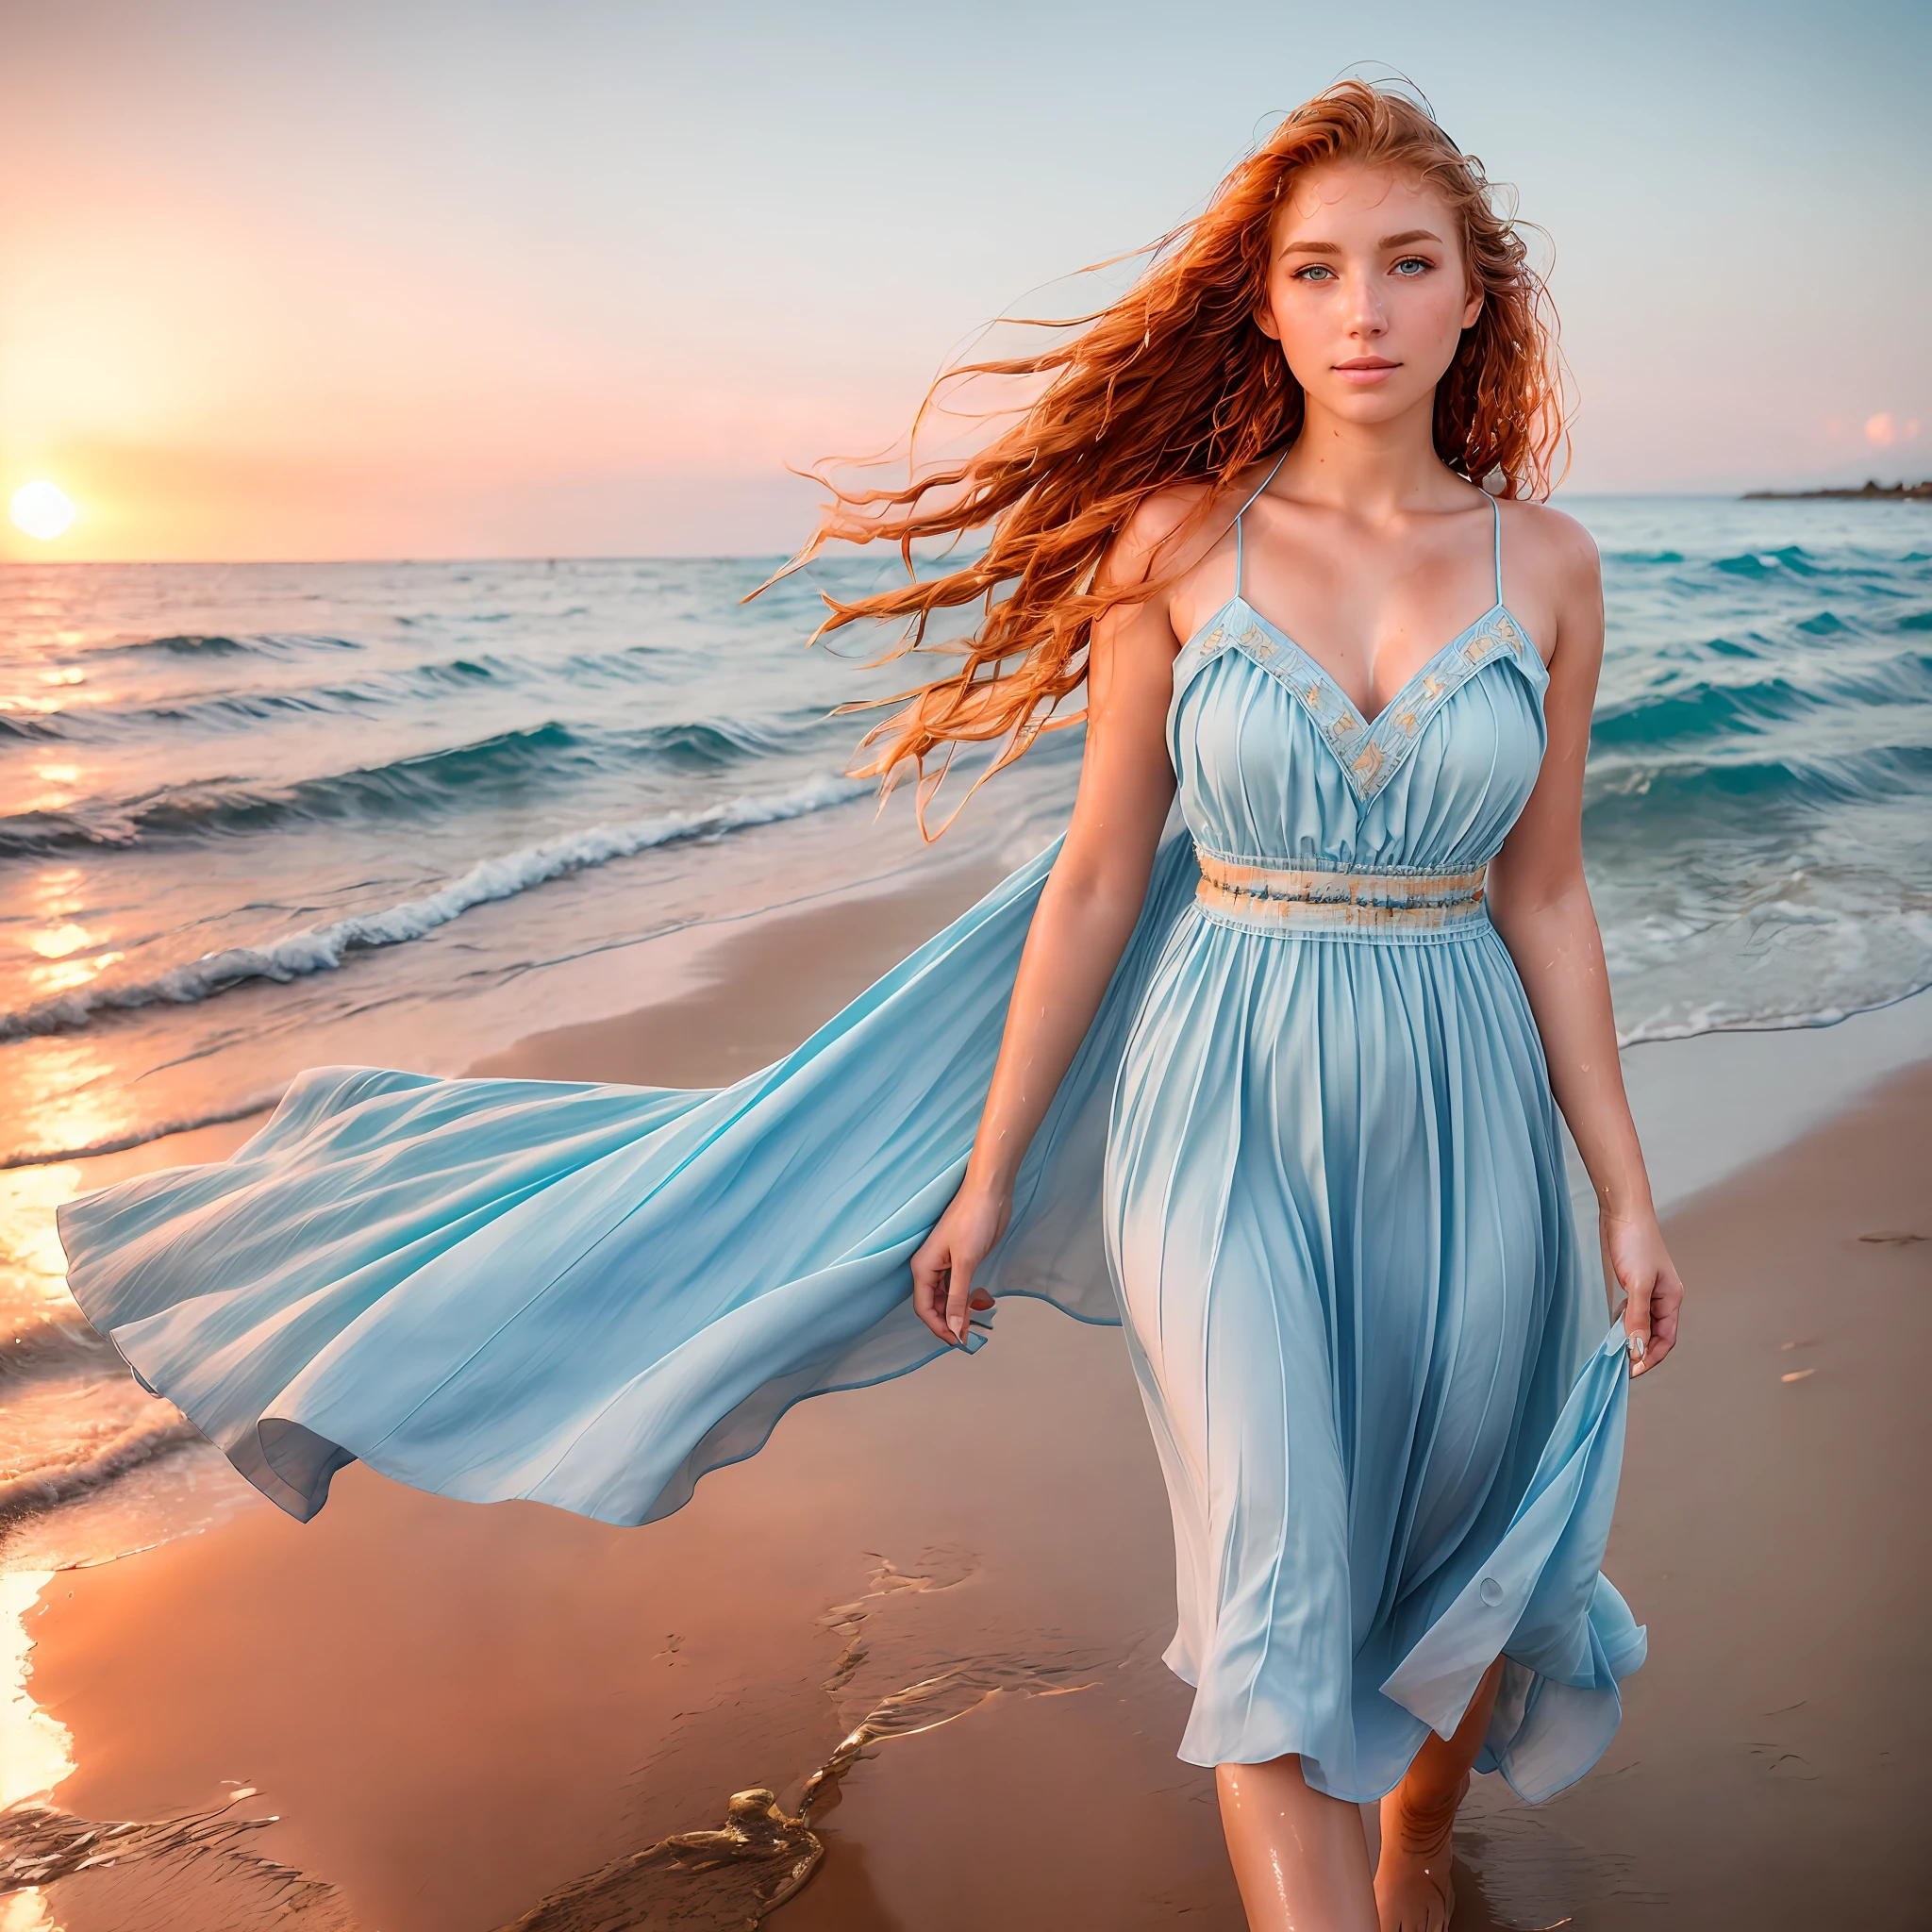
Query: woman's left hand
point(1635, 1252)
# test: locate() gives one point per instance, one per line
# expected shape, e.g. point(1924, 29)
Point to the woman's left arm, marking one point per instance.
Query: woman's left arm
point(1540, 904)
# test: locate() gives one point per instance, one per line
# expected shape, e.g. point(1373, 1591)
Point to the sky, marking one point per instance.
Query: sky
point(580, 278)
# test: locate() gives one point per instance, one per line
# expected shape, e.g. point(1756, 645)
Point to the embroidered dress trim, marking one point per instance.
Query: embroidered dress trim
point(1298, 901)
point(1370, 751)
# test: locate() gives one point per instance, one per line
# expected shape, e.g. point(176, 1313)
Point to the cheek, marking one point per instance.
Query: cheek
point(1307, 325)
point(1434, 308)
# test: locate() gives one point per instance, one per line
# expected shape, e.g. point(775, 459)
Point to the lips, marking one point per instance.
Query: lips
point(1366, 364)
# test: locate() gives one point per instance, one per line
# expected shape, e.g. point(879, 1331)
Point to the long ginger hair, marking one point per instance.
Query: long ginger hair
point(1174, 382)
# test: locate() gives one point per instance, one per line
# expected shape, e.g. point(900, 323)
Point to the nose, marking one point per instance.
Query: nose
point(1367, 316)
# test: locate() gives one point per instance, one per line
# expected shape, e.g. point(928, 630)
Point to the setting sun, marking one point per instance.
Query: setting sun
point(41, 509)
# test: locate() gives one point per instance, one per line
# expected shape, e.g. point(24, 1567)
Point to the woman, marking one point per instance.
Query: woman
point(1333, 1191)
point(1272, 1089)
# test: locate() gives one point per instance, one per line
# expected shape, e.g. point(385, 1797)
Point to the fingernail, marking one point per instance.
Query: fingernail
point(1637, 1348)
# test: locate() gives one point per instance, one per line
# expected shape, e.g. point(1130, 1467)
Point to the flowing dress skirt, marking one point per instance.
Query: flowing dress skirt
point(1337, 1213)
point(590, 1295)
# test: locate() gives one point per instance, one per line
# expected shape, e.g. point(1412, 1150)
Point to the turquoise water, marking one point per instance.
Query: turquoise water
point(1757, 821)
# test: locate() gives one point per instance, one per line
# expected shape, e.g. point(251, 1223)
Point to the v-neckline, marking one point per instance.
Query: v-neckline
point(1334, 683)
point(1368, 750)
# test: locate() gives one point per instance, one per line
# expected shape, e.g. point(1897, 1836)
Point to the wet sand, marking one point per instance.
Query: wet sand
point(755, 994)
point(454, 1710)
point(1771, 1530)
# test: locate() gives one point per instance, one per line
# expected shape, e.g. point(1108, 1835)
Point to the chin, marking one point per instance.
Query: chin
point(1371, 406)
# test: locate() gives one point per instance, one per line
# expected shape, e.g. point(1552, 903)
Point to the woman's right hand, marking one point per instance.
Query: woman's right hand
point(942, 1268)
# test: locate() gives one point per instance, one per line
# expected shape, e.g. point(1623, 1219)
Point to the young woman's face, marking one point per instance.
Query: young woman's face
point(1366, 293)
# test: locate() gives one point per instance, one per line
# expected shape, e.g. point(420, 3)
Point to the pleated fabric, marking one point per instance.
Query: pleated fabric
point(1389, 1418)
point(1318, 1179)
point(590, 1295)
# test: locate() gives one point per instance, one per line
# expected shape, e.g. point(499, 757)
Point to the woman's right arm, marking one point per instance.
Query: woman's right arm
point(1087, 911)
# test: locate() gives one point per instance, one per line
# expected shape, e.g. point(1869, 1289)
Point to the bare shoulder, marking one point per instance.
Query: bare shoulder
point(1161, 516)
point(1163, 535)
point(1557, 550)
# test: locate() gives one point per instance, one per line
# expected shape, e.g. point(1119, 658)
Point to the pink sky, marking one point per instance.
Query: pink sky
point(485, 279)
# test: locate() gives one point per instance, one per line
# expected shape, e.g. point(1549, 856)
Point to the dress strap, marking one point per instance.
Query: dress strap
point(1497, 512)
point(1250, 504)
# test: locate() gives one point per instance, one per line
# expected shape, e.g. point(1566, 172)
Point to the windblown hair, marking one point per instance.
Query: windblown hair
point(1174, 382)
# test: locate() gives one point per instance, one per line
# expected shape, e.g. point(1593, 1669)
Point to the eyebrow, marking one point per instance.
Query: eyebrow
point(1406, 236)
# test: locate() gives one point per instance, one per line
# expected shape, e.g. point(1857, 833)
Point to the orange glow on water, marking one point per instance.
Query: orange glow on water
point(70, 1091)
point(58, 940)
point(33, 1264)
point(75, 953)
point(67, 974)
point(57, 792)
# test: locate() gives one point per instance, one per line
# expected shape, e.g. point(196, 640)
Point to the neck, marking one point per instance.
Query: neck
point(1374, 470)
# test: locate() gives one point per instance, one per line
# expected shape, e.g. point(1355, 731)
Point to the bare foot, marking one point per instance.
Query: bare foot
point(1413, 1891)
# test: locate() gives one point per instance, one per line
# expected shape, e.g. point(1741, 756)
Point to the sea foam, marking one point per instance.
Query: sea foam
point(323, 948)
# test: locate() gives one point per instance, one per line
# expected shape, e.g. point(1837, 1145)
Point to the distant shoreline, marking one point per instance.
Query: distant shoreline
point(1866, 492)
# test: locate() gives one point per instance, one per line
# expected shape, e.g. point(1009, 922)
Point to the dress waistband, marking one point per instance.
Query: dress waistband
point(1292, 900)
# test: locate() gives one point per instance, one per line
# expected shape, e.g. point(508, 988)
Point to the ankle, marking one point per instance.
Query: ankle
point(1426, 1814)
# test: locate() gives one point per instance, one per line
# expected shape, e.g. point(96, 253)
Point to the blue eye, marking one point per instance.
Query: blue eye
point(1412, 265)
point(1314, 270)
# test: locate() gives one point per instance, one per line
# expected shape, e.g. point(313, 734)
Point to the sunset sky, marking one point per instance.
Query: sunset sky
point(578, 277)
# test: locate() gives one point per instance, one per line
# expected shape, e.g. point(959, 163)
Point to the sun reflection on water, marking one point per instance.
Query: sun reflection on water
point(69, 1094)
point(32, 1261)
point(70, 973)
point(55, 899)
point(58, 940)
point(35, 1750)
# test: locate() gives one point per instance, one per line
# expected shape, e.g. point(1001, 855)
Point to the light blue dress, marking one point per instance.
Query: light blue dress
point(1315, 1168)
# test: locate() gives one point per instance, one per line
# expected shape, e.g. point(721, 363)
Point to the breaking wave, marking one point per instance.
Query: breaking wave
point(94, 1460)
point(507, 764)
point(323, 948)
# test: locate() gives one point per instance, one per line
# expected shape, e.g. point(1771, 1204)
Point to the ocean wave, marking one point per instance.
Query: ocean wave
point(44, 1335)
point(214, 645)
point(1793, 560)
point(1759, 578)
point(94, 1460)
point(239, 709)
point(242, 709)
point(413, 787)
point(1713, 712)
point(324, 948)
point(1701, 1021)
point(1702, 713)
point(1690, 792)
point(1758, 563)
point(139, 1137)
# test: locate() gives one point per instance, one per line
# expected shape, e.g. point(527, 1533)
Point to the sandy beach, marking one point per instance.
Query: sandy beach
point(454, 1713)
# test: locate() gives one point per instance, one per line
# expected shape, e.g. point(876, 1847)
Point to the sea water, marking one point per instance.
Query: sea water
point(255, 817)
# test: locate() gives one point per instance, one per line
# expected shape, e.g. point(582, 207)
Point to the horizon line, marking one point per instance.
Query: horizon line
point(1817, 493)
